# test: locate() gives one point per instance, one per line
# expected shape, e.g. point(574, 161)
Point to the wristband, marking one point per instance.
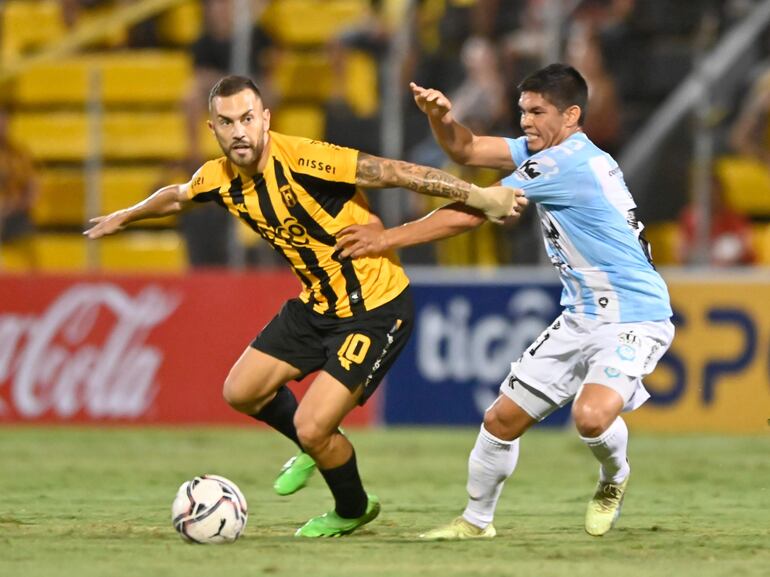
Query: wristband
point(495, 202)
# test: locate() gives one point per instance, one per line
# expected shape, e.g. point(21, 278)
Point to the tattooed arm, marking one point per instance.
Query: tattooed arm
point(496, 202)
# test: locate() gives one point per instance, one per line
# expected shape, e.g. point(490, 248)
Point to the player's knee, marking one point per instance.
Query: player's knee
point(242, 399)
point(233, 398)
point(312, 436)
point(501, 425)
point(591, 420)
point(506, 420)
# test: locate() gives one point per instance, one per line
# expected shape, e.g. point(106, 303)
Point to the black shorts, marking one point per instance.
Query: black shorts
point(356, 351)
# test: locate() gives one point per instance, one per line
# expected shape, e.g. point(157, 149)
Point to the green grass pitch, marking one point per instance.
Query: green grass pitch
point(87, 502)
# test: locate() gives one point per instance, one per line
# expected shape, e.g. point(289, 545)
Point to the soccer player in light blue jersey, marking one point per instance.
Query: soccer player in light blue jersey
point(615, 325)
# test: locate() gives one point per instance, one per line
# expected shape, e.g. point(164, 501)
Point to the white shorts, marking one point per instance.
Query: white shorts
point(575, 350)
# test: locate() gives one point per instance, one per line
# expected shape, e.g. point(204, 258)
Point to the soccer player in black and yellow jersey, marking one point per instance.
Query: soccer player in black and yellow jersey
point(352, 317)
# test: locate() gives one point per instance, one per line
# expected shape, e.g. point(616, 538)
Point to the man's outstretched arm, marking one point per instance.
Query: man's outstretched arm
point(166, 201)
point(496, 202)
point(372, 239)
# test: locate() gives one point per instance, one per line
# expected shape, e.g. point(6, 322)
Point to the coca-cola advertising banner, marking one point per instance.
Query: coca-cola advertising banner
point(132, 349)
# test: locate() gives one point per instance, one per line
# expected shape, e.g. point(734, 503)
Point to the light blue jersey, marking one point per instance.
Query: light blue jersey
point(590, 229)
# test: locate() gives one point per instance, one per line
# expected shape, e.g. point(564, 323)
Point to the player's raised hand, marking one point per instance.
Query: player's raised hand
point(432, 102)
point(359, 240)
point(108, 224)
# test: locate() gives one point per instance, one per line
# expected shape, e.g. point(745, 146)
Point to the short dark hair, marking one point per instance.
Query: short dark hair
point(561, 85)
point(233, 84)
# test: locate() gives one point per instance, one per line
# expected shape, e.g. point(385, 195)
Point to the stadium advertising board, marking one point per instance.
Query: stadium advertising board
point(138, 349)
point(716, 377)
point(468, 330)
point(131, 349)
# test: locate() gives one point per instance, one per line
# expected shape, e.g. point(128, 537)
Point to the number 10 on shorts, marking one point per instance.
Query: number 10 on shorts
point(354, 349)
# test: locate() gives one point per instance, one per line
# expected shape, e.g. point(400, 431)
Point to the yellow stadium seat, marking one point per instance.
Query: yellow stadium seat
point(27, 26)
point(746, 184)
point(307, 121)
point(308, 22)
point(130, 251)
point(61, 198)
point(55, 136)
point(361, 83)
point(664, 242)
point(143, 252)
point(307, 77)
point(145, 77)
point(181, 25)
point(60, 252)
point(61, 201)
point(122, 187)
point(303, 76)
point(63, 136)
point(17, 256)
point(145, 135)
point(64, 81)
point(140, 77)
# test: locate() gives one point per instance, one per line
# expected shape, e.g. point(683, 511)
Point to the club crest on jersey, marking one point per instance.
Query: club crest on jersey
point(626, 352)
point(611, 373)
point(629, 338)
point(288, 195)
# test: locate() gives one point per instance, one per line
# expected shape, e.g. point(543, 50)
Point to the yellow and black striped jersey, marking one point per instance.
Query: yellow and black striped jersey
point(304, 197)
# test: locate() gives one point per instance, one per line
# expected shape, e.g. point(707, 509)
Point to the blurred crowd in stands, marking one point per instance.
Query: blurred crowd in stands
point(633, 54)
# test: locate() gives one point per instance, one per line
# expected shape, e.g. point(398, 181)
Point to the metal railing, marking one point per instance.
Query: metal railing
point(690, 92)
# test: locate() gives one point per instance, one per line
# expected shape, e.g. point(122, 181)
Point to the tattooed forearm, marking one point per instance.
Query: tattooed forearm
point(376, 172)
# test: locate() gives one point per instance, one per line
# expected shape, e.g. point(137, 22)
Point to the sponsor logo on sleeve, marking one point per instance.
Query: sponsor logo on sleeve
point(528, 170)
point(319, 165)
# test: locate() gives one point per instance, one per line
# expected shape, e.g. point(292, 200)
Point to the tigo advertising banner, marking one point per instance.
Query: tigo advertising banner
point(471, 326)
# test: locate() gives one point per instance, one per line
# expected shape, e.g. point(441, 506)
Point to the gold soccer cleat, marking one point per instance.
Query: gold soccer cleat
point(459, 530)
point(604, 509)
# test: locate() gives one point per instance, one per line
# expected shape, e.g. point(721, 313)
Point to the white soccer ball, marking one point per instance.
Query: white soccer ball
point(209, 509)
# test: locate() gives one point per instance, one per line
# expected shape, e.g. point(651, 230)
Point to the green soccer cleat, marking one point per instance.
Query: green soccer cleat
point(294, 474)
point(459, 530)
point(604, 509)
point(332, 525)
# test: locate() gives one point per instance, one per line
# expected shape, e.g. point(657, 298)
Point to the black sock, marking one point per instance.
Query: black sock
point(279, 414)
point(345, 483)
